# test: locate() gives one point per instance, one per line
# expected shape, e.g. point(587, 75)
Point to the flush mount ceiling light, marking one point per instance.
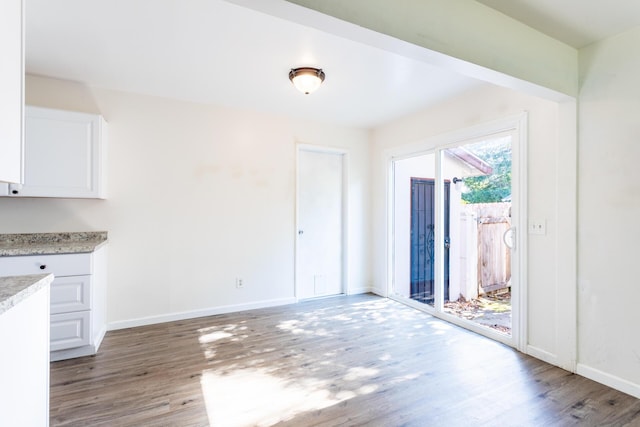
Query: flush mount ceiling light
point(306, 79)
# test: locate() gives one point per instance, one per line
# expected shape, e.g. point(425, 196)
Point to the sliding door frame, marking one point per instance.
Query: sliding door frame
point(516, 126)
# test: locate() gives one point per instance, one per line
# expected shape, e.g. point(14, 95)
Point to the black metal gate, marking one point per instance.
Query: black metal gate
point(423, 238)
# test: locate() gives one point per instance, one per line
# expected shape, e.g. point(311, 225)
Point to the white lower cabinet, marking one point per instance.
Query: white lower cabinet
point(78, 298)
point(24, 362)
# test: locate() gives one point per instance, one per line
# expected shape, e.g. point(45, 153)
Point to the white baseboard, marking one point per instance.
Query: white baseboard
point(543, 355)
point(609, 380)
point(172, 317)
point(98, 339)
point(380, 292)
point(359, 290)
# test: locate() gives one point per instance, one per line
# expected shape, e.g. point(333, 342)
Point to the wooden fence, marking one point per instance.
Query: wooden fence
point(494, 257)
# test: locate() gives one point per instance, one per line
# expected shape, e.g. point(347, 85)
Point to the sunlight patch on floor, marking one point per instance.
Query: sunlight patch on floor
point(214, 336)
point(247, 392)
point(291, 326)
point(254, 397)
point(359, 373)
point(440, 326)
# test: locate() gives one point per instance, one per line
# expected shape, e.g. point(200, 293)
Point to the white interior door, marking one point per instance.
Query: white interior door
point(319, 250)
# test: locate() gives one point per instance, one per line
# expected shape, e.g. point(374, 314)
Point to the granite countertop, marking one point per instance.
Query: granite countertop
point(51, 243)
point(14, 289)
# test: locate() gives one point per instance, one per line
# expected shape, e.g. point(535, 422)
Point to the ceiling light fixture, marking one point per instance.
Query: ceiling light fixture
point(306, 79)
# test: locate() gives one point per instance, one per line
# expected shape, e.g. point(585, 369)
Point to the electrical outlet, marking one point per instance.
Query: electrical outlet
point(239, 283)
point(538, 226)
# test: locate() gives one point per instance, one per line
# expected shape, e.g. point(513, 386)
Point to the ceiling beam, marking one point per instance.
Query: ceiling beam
point(465, 30)
point(462, 36)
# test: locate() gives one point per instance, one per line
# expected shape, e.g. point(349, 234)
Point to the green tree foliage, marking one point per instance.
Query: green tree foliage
point(497, 186)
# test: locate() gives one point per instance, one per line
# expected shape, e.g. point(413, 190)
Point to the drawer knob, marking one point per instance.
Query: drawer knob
point(43, 266)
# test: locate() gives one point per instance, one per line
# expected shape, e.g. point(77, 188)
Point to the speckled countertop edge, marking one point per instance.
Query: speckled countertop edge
point(14, 289)
point(51, 243)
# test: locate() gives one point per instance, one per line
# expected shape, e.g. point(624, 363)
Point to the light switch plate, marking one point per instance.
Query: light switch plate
point(538, 226)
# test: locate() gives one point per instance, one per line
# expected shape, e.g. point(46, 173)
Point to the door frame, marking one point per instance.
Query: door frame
point(345, 212)
point(516, 125)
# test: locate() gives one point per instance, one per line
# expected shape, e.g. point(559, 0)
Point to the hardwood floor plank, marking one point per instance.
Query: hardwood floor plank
point(344, 361)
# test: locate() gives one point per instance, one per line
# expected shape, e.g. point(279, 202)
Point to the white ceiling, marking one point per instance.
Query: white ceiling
point(577, 23)
point(215, 52)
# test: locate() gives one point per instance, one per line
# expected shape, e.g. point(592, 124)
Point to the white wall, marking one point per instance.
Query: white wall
point(198, 196)
point(609, 208)
point(548, 319)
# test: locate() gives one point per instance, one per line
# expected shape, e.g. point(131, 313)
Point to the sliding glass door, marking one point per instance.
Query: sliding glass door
point(455, 213)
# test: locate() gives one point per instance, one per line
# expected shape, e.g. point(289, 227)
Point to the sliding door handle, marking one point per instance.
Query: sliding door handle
point(509, 238)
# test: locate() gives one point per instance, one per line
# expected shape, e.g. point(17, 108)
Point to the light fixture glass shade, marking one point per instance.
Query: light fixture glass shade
point(306, 79)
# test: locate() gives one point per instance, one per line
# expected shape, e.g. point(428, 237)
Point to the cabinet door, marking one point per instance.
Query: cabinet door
point(70, 330)
point(11, 90)
point(69, 294)
point(64, 155)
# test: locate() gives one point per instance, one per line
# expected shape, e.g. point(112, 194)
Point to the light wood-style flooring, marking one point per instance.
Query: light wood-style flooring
point(343, 361)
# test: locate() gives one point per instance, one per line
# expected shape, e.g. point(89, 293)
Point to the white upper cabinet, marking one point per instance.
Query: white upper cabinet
point(64, 155)
point(11, 89)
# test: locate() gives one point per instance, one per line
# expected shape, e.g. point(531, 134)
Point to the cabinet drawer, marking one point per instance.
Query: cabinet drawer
point(69, 330)
point(59, 265)
point(70, 294)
